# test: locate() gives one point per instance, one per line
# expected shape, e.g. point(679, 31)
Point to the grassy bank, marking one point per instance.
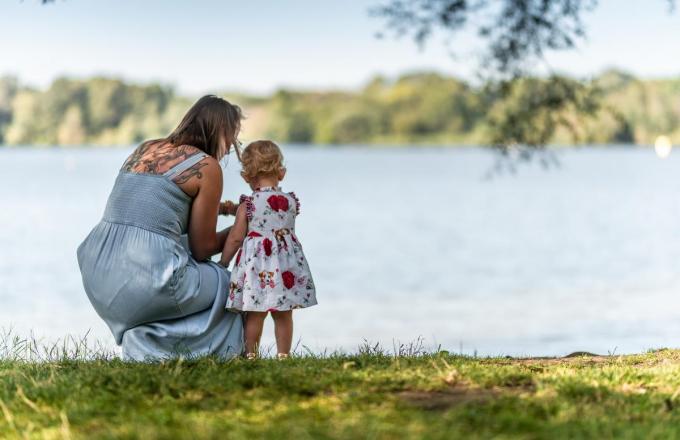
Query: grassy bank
point(370, 395)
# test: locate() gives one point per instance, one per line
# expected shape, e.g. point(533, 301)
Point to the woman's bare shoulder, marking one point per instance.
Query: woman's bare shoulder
point(207, 168)
point(158, 157)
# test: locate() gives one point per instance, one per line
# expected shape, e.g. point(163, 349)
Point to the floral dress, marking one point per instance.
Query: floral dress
point(270, 272)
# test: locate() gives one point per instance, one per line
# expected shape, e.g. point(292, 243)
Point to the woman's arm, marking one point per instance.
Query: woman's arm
point(221, 239)
point(236, 236)
point(204, 241)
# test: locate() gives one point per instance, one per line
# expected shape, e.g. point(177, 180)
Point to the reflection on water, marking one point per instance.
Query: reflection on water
point(404, 243)
point(663, 146)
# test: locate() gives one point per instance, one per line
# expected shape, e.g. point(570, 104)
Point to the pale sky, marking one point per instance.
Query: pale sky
point(260, 45)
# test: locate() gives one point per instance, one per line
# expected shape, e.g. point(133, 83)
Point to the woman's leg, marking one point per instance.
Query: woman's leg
point(283, 330)
point(254, 323)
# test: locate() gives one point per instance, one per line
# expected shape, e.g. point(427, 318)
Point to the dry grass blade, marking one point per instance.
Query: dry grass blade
point(65, 428)
point(27, 401)
point(8, 414)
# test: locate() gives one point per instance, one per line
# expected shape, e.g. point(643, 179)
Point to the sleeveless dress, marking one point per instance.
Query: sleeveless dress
point(139, 275)
point(271, 272)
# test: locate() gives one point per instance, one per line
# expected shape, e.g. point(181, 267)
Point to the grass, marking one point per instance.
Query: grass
point(62, 393)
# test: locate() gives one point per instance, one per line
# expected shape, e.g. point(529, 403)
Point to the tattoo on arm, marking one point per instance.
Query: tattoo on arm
point(190, 172)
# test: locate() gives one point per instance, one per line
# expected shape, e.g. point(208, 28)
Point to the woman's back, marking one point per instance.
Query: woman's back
point(137, 269)
point(158, 293)
point(148, 192)
point(135, 250)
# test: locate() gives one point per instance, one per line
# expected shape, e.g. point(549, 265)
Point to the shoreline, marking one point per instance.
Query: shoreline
point(35, 349)
point(362, 146)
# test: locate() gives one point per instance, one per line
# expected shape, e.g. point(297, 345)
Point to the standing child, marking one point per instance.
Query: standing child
point(270, 274)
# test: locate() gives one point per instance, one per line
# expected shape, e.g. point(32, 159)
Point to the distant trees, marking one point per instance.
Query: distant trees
point(98, 110)
point(513, 108)
point(412, 109)
point(8, 90)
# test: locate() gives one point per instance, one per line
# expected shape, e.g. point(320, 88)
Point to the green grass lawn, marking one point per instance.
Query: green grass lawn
point(369, 395)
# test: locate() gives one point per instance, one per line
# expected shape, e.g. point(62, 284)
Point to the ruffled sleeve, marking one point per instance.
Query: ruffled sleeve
point(248, 200)
point(297, 202)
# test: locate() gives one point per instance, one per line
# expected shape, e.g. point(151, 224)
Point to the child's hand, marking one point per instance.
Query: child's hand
point(228, 208)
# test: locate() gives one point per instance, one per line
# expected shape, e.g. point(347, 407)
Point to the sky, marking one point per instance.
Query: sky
point(257, 46)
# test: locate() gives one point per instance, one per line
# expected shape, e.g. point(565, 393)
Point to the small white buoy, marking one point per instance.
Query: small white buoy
point(663, 146)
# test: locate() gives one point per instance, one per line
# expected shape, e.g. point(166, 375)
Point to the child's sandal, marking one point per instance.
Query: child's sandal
point(251, 356)
point(281, 356)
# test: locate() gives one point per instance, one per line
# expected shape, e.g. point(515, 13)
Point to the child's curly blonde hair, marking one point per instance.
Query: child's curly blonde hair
point(261, 159)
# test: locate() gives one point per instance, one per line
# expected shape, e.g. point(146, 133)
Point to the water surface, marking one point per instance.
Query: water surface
point(403, 243)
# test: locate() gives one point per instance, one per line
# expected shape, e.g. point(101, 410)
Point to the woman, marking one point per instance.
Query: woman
point(158, 293)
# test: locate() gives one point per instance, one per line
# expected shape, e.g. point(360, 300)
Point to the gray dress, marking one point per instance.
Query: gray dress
point(158, 301)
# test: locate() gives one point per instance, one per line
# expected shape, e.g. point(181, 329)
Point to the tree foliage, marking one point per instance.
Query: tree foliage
point(512, 108)
point(418, 108)
point(517, 34)
point(98, 110)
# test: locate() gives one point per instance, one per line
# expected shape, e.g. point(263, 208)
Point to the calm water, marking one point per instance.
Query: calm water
point(403, 243)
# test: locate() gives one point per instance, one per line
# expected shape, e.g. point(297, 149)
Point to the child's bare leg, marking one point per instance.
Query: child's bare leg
point(283, 330)
point(254, 323)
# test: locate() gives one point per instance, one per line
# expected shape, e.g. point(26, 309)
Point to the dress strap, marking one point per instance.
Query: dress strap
point(184, 165)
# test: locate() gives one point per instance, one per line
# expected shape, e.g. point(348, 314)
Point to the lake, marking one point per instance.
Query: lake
point(403, 243)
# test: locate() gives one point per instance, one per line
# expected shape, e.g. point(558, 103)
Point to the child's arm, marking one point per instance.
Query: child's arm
point(236, 236)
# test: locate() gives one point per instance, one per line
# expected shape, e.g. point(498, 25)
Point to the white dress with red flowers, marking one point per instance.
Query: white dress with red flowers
point(270, 272)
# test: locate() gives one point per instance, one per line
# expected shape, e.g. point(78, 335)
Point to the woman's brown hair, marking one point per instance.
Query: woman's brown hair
point(208, 119)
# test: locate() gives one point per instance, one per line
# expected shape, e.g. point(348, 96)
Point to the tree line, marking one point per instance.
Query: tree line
point(418, 108)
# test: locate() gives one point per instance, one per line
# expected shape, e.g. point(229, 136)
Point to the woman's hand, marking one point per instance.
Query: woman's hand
point(228, 208)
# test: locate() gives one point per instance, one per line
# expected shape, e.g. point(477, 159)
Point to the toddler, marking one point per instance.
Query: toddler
point(270, 274)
